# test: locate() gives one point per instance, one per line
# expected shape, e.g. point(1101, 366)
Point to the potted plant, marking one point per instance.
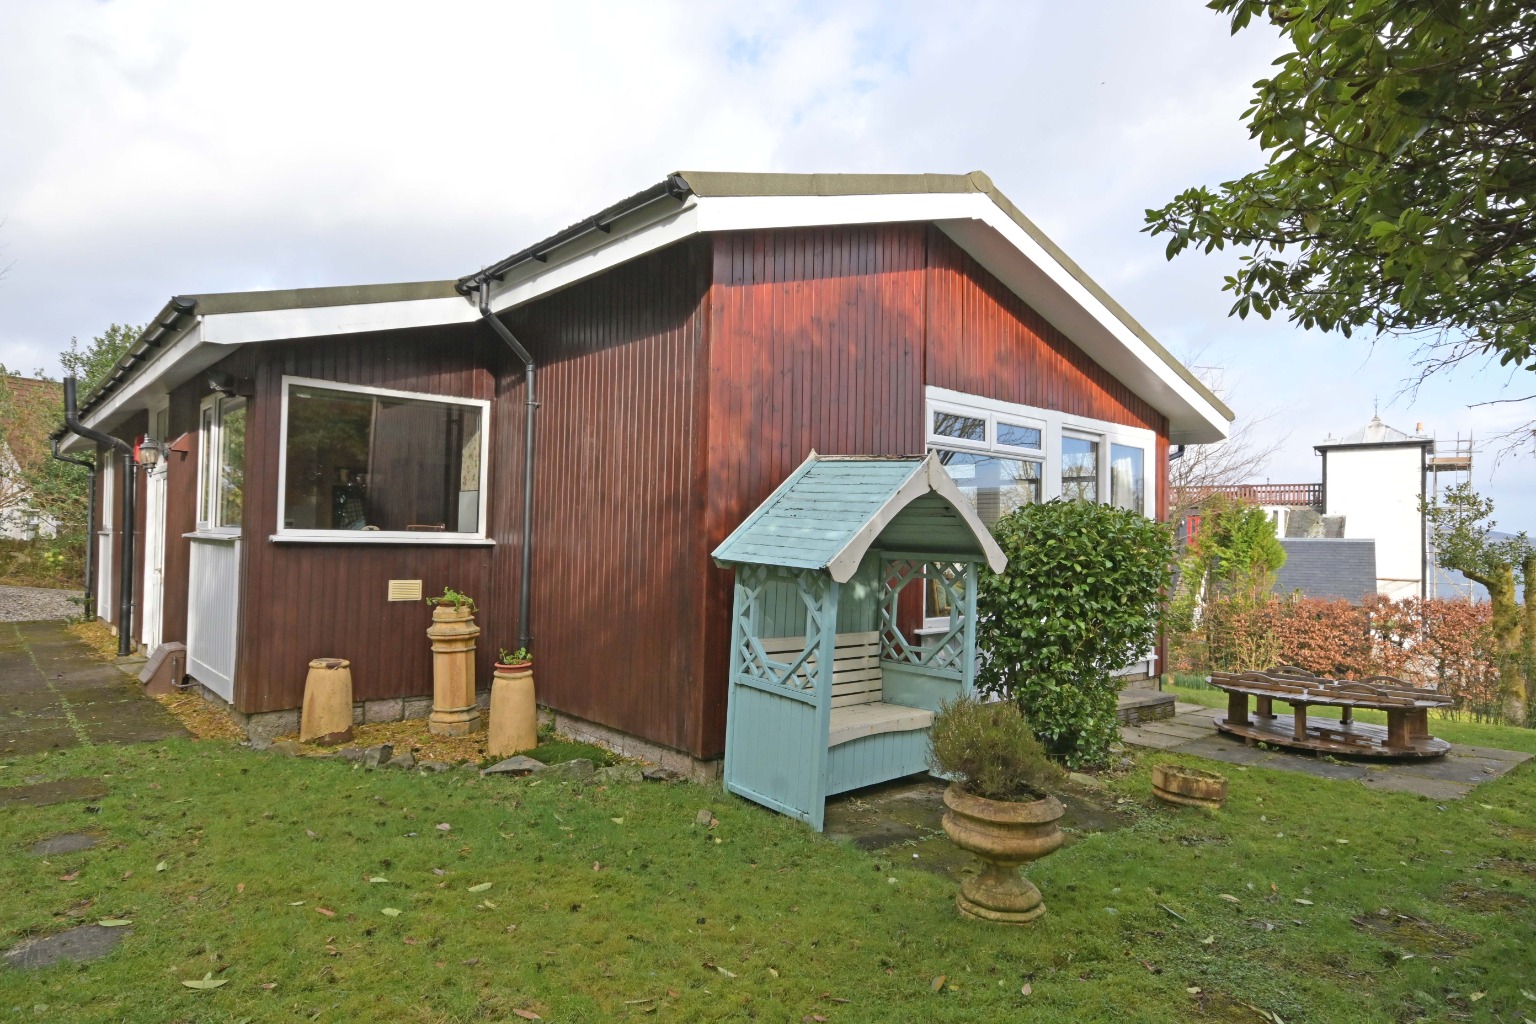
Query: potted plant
point(514, 713)
point(453, 633)
point(997, 804)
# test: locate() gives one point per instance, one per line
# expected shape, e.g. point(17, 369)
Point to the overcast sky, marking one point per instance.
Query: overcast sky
point(155, 148)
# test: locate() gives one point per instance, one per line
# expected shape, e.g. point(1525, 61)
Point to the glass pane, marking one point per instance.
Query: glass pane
point(1019, 437)
point(1127, 480)
point(995, 486)
point(967, 428)
point(1079, 469)
point(205, 465)
point(363, 462)
point(231, 464)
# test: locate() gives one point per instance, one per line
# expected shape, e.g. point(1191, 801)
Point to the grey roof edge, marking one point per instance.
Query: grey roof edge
point(731, 183)
point(215, 303)
point(1412, 442)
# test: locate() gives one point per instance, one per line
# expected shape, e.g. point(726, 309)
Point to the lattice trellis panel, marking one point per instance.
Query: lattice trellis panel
point(953, 578)
point(801, 673)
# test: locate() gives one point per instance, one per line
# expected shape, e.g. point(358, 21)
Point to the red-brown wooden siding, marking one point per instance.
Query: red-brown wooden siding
point(617, 554)
point(826, 338)
point(675, 393)
point(304, 601)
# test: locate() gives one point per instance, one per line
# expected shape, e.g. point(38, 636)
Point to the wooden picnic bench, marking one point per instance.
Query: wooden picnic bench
point(1406, 733)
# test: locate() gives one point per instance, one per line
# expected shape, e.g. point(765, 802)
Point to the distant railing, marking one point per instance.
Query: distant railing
point(1291, 495)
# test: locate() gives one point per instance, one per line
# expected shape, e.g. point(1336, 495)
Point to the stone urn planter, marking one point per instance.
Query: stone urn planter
point(514, 724)
point(1004, 835)
point(453, 633)
point(1188, 787)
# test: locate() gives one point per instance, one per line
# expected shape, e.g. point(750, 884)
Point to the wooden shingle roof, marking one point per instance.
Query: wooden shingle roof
point(833, 508)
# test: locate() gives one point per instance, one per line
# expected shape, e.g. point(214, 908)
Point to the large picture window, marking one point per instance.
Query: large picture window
point(221, 464)
point(370, 464)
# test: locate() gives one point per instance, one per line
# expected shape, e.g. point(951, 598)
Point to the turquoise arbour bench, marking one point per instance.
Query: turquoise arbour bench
point(827, 690)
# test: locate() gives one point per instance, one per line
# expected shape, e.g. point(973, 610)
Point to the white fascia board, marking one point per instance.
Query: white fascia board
point(1020, 262)
point(590, 255)
point(975, 223)
point(323, 321)
point(151, 382)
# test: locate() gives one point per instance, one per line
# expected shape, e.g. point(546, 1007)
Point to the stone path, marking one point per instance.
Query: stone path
point(54, 694)
point(1192, 730)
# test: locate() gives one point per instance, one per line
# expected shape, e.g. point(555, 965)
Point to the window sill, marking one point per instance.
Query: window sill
point(369, 537)
point(223, 538)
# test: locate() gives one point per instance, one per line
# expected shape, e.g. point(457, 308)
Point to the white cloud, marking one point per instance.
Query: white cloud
point(157, 147)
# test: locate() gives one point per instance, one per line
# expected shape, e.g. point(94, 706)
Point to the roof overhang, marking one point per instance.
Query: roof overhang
point(967, 208)
point(193, 332)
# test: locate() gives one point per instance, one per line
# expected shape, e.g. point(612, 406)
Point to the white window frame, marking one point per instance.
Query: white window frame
point(210, 451)
point(1053, 426)
point(288, 535)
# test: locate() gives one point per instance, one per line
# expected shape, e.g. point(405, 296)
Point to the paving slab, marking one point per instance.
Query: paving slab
point(64, 842)
point(87, 942)
point(1139, 737)
point(57, 792)
point(37, 741)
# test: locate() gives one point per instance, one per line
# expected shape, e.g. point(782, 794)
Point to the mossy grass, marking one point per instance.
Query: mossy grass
point(609, 903)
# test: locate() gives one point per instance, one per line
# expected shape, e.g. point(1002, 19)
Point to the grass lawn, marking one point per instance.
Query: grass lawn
point(1307, 899)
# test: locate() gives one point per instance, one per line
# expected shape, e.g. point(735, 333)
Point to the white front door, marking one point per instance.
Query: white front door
point(154, 557)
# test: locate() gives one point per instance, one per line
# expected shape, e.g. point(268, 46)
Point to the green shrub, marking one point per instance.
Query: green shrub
point(1081, 597)
point(992, 748)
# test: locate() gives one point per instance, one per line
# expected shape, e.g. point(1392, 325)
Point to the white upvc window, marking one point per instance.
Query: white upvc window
point(373, 465)
point(221, 464)
point(1003, 455)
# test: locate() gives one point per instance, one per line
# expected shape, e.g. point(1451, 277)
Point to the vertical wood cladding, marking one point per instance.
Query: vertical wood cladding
point(304, 601)
point(816, 341)
point(984, 340)
point(617, 553)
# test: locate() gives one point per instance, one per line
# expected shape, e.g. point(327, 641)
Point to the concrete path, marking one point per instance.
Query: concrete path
point(1192, 730)
point(54, 694)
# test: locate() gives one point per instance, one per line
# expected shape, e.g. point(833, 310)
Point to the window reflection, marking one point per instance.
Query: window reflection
point(1127, 478)
point(966, 428)
point(995, 486)
point(1079, 469)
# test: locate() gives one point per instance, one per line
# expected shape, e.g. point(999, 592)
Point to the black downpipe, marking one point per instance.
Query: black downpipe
point(88, 611)
point(130, 503)
point(523, 639)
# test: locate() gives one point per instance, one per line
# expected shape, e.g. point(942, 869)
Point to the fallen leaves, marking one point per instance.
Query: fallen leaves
point(445, 827)
point(527, 1014)
point(377, 879)
point(161, 866)
point(207, 981)
point(327, 911)
point(937, 984)
point(114, 922)
point(481, 887)
point(1228, 897)
point(390, 912)
point(69, 877)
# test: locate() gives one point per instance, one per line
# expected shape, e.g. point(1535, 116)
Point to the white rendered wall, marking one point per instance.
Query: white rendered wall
point(1377, 491)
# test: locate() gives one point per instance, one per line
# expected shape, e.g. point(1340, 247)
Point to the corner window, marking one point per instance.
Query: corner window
point(370, 464)
point(221, 464)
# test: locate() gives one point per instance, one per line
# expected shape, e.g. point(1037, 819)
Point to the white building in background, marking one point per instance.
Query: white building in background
point(1376, 479)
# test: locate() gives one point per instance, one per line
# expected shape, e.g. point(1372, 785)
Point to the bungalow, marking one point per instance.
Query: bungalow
point(570, 433)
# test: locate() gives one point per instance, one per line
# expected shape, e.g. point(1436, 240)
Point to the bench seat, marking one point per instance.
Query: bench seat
point(855, 721)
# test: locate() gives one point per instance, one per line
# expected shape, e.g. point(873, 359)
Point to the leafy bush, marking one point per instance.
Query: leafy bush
point(1081, 597)
point(992, 748)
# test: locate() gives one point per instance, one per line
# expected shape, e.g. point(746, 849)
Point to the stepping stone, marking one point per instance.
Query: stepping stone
point(1434, 789)
point(517, 765)
point(45, 793)
point(87, 942)
point(66, 842)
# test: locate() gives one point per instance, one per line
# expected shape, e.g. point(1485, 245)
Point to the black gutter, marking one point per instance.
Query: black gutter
point(130, 502)
point(532, 405)
point(152, 337)
point(90, 528)
point(671, 187)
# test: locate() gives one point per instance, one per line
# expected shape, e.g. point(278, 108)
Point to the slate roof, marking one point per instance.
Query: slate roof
point(830, 510)
point(1375, 432)
point(1328, 567)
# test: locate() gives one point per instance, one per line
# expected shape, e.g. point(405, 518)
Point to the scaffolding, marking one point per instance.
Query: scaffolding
point(1456, 469)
